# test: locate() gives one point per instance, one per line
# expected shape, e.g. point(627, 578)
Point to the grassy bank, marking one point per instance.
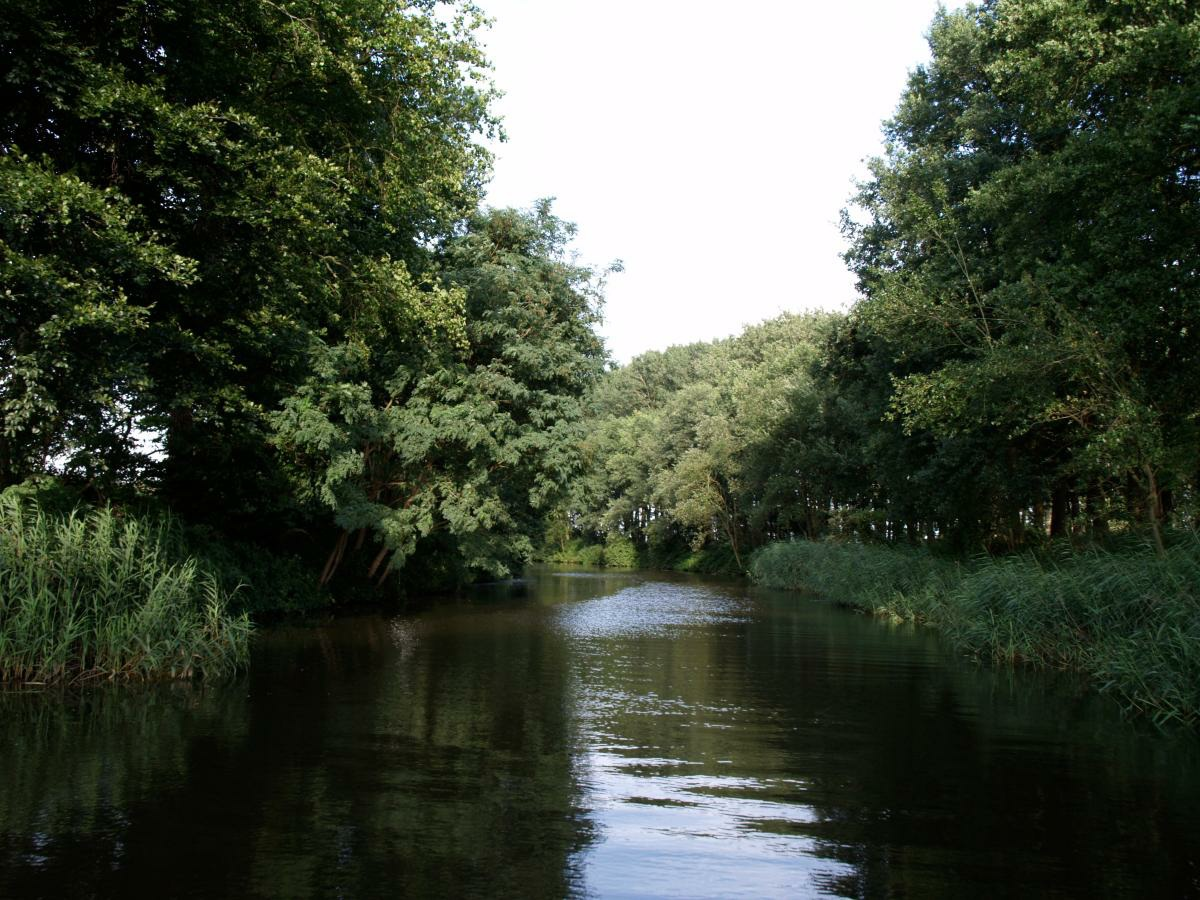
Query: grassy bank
point(95, 594)
point(1125, 617)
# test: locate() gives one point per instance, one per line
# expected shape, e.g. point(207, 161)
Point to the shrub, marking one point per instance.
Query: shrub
point(619, 551)
point(255, 579)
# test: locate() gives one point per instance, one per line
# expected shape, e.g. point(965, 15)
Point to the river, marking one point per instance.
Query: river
point(597, 734)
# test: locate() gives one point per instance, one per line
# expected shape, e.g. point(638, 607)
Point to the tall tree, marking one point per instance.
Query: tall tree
point(1029, 246)
point(462, 451)
point(279, 173)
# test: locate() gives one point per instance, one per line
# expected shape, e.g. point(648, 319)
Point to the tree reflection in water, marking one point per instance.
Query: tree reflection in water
point(595, 733)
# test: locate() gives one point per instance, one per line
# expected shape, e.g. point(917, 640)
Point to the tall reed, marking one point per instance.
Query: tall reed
point(1127, 617)
point(96, 594)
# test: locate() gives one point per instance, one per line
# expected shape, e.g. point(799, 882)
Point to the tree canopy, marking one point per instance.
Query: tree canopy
point(245, 272)
point(1028, 253)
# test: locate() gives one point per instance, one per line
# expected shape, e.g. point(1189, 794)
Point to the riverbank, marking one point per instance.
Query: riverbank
point(1126, 617)
point(621, 553)
point(95, 594)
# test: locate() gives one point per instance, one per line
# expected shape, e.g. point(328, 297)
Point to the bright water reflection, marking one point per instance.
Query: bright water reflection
point(599, 734)
point(716, 804)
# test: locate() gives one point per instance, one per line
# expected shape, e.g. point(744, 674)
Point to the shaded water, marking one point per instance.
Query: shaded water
point(597, 734)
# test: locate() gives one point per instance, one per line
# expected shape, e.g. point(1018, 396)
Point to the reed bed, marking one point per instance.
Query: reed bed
point(93, 594)
point(1127, 617)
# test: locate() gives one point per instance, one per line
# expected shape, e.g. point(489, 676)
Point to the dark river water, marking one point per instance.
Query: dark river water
point(597, 734)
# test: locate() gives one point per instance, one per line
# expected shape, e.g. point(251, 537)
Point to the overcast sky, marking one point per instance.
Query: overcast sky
point(709, 149)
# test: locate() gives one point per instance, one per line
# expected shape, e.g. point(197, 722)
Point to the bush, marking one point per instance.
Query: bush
point(577, 552)
point(881, 578)
point(715, 559)
point(97, 594)
point(619, 551)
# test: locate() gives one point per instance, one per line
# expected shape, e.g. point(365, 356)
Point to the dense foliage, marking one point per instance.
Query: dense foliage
point(1028, 264)
point(244, 277)
point(456, 457)
point(196, 195)
point(685, 445)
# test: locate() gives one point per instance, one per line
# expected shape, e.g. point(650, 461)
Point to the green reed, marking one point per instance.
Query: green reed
point(95, 594)
point(1125, 616)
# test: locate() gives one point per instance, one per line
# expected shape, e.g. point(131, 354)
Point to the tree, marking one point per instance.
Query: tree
point(276, 175)
point(465, 451)
point(684, 445)
point(77, 267)
point(1028, 251)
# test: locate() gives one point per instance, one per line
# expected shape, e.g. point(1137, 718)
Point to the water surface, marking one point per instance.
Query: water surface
point(597, 734)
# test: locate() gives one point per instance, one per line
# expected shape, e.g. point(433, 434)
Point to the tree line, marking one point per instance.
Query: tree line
point(1022, 362)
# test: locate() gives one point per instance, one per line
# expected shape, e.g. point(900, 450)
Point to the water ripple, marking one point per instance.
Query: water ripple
point(651, 609)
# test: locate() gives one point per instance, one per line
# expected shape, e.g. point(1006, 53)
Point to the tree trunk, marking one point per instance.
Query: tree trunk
point(178, 475)
point(1096, 522)
point(1154, 510)
point(7, 474)
point(335, 558)
point(1058, 512)
point(733, 543)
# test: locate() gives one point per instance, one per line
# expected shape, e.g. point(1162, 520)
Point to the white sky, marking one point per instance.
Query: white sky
point(709, 148)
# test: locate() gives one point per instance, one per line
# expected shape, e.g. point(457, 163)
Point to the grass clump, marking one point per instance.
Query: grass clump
point(715, 559)
point(1127, 617)
point(897, 581)
point(92, 594)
